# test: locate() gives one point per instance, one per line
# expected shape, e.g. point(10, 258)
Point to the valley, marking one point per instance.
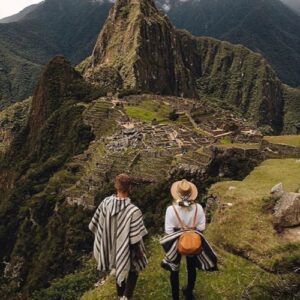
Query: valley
point(161, 105)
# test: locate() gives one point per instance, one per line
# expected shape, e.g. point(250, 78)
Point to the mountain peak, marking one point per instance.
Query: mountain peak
point(138, 45)
point(140, 49)
point(53, 87)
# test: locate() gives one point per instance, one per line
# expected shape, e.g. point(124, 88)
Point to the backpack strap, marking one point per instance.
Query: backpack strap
point(183, 225)
point(195, 217)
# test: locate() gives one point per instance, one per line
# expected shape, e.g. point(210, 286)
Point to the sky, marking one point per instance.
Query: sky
point(10, 7)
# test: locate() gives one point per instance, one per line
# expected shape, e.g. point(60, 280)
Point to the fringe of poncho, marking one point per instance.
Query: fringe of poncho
point(206, 260)
point(118, 224)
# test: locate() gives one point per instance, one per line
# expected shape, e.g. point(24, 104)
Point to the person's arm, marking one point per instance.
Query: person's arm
point(93, 225)
point(137, 227)
point(201, 219)
point(169, 221)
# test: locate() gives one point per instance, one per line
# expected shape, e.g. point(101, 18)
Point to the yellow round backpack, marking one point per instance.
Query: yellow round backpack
point(189, 242)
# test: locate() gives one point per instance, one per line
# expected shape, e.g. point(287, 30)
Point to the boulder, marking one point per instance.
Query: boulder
point(287, 208)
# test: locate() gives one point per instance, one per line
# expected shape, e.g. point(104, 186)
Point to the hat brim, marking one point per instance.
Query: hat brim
point(176, 195)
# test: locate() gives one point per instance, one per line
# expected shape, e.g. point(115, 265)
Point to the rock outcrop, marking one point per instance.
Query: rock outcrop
point(139, 45)
point(287, 208)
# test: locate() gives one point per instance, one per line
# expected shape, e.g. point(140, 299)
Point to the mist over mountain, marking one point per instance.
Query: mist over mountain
point(293, 4)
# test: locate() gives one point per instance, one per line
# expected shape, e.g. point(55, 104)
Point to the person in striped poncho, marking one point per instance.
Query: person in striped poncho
point(119, 230)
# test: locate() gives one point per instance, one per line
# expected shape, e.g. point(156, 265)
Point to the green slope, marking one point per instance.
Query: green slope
point(268, 27)
point(236, 278)
point(53, 27)
point(241, 230)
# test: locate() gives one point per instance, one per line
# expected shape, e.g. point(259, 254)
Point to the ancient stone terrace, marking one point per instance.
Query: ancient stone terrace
point(148, 149)
point(203, 116)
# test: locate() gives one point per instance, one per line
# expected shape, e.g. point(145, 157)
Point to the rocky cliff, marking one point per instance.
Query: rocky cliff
point(139, 46)
point(30, 170)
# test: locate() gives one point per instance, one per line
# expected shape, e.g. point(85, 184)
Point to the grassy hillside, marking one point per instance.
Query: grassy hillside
point(237, 278)
point(251, 253)
point(149, 111)
point(253, 235)
point(291, 140)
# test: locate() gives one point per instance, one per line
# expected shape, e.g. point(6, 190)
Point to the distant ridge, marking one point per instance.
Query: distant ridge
point(70, 27)
point(53, 27)
point(20, 15)
point(268, 27)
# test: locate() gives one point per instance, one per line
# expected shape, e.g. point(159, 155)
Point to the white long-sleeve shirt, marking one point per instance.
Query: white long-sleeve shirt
point(187, 216)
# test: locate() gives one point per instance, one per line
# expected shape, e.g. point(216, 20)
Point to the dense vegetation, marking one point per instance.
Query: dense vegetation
point(54, 27)
point(268, 27)
point(37, 230)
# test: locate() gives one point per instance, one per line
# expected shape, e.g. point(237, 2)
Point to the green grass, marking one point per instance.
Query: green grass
point(244, 227)
point(226, 141)
point(71, 286)
point(236, 279)
point(291, 140)
point(149, 110)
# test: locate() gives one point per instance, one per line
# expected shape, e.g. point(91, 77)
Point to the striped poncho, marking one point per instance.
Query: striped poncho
point(117, 224)
point(206, 259)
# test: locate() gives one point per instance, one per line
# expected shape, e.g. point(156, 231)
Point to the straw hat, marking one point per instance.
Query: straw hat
point(184, 188)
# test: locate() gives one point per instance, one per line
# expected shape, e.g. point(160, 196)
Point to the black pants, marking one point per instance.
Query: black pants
point(127, 287)
point(174, 278)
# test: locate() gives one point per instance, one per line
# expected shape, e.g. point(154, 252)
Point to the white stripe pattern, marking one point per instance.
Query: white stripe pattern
point(207, 259)
point(118, 224)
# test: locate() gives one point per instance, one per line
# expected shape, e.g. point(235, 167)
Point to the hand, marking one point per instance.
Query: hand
point(139, 254)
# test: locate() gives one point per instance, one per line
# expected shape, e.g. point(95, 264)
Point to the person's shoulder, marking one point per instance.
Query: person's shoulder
point(170, 208)
point(105, 201)
point(200, 207)
point(133, 208)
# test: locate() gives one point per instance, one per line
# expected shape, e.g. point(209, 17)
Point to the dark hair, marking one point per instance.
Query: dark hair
point(123, 183)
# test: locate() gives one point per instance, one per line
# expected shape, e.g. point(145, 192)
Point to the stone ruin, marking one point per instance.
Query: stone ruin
point(140, 147)
point(287, 207)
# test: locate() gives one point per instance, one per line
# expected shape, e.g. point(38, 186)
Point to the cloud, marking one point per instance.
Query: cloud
point(11, 7)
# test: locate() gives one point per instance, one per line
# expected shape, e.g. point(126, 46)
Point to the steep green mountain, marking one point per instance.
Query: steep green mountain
point(61, 149)
point(30, 216)
point(267, 26)
point(139, 49)
point(52, 27)
point(70, 28)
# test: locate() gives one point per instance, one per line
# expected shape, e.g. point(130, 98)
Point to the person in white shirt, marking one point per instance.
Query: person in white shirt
point(184, 210)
